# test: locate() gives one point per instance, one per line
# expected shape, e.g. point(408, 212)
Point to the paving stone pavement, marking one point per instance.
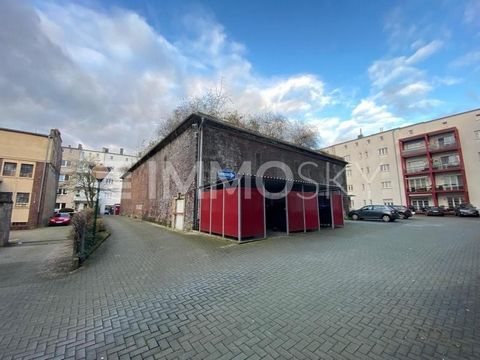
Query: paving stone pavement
point(408, 290)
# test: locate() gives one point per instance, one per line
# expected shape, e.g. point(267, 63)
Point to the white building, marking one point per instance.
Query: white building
point(431, 163)
point(111, 186)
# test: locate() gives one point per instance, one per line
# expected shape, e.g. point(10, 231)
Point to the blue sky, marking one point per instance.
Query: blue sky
point(339, 66)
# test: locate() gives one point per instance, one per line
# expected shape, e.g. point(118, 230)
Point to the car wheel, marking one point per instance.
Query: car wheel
point(402, 216)
point(355, 217)
point(386, 218)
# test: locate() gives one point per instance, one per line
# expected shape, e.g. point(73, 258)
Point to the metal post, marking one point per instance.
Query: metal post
point(286, 209)
point(303, 204)
point(210, 224)
point(264, 211)
point(318, 210)
point(96, 212)
point(239, 210)
point(331, 208)
point(223, 210)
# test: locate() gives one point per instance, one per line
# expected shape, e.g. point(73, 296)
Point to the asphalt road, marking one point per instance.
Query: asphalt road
point(372, 290)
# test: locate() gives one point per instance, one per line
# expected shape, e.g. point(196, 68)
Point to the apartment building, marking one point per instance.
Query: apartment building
point(70, 193)
point(29, 170)
point(432, 163)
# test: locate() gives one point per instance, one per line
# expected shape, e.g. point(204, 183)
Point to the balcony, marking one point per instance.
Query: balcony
point(437, 147)
point(450, 188)
point(446, 166)
point(414, 151)
point(416, 169)
point(425, 189)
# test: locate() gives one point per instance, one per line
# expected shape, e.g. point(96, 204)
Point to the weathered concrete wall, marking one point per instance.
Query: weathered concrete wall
point(6, 205)
point(149, 192)
point(231, 148)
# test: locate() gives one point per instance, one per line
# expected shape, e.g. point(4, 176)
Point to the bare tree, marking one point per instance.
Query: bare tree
point(301, 134)
point(83, 181)
point(217, 103)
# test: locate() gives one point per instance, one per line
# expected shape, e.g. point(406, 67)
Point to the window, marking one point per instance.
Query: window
point(349, 172)
point(350, 187)
point(383, 151)
point(64, 191)
point(59, 191)
point(361, 170)
point(387, 201)
point(371, 202)
point(108, 181)
point(368, 141)
point(360, 155)
point(356, 143)
point(367, 170)
point(63, 177)
point(454, 201)
point(111, 157)
point(345, 146)
point(65, 163)
point(364, 202)
point(386, 184)
point(420, 203)
point(477, 134)
point(381, 138)
point(366, 154)
point(9, 169)
point(22, 199)
point(363, 187)
point(385, 167)
point(419, 184)
point(26, 170)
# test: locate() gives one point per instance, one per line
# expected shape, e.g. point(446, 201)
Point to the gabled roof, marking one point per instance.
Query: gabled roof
point(199, 117)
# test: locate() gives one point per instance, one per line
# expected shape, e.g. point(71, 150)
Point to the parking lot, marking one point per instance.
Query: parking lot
point(372, 290)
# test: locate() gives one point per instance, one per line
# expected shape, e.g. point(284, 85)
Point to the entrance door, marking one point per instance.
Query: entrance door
point(179, 212)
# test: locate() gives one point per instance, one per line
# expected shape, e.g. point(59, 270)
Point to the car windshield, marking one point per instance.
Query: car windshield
point(63, 215)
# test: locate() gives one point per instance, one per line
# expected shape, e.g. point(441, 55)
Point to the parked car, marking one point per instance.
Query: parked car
point(372, 212)
point(434, 211)
point(412, 209)
point(60, 218)
point(403, 211)
point(466, 210)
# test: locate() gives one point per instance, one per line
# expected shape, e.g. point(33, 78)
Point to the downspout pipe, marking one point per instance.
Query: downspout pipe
point(197, 203)
point(42, 183)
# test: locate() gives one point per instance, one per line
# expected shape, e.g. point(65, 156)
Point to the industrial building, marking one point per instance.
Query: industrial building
point(30, 166)
point(431, 163)
point(211, 176)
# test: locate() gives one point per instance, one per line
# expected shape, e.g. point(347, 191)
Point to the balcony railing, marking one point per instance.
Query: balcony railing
point(416, 169)
point(419, 189)
point(450, 187)
point(445, 166)
point(437, 146)
point(414, 150)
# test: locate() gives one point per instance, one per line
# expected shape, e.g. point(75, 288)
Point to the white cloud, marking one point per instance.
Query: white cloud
point(400, 83)
point(367, 117)
point(472, 12)
point(107, 77)
point(471, 58)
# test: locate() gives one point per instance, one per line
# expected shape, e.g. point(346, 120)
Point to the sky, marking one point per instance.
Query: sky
point(106, 73)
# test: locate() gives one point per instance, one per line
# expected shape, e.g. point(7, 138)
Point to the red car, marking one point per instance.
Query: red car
point(60, 219)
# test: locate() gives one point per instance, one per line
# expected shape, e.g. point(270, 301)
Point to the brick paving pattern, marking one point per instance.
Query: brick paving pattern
point(405, 290)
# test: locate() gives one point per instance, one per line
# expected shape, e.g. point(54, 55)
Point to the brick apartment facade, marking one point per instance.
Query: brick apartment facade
point(29, 169)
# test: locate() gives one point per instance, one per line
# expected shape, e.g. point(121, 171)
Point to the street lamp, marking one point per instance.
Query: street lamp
point(99, 172)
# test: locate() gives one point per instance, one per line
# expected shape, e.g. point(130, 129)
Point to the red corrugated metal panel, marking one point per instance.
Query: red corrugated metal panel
point(311, 210)
point(205, 211)
point(295, 211)
point(217, 211)
point(252, 213)
point(231, 212)
point(337, 210)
